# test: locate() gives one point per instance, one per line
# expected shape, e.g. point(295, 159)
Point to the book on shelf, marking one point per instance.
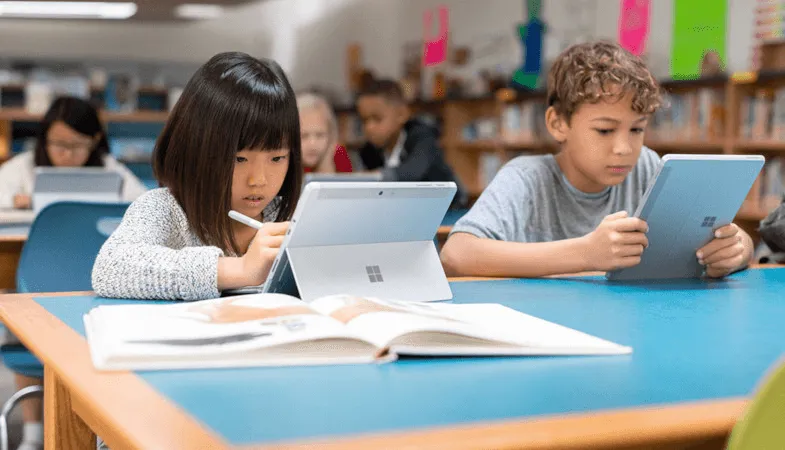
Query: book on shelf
point(490, 164)
point(121, 93)
point(38, 97)
point(762, 115)
point(693, 115)
point(772, 179)
point(133, 149)
point(524, 122)
point(279, 330)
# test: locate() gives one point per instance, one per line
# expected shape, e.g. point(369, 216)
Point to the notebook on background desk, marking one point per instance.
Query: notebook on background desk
point(16, 217)
point(15, 222)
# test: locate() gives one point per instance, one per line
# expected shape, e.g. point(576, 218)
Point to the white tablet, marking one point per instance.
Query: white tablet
point(341, 177)
point(88, 184)
point(690, 198)
point(366, 239)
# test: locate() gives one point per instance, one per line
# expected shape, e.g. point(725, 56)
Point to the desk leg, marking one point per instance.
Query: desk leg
point(63, 429)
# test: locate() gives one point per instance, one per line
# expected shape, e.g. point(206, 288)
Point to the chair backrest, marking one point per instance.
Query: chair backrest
point(453, 215)
point(63, 243)
point(763, 424)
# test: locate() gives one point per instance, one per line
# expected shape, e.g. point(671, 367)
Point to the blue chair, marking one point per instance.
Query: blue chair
point(58, 256)
point(453, 215)
point(450, 218)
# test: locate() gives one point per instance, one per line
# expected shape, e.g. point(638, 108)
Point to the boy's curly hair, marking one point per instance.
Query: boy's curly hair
point(589, 72)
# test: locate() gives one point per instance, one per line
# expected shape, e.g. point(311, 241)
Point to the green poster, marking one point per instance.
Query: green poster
point(698, 27)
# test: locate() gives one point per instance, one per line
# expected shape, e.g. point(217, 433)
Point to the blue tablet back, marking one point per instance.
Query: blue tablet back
point(691, 197)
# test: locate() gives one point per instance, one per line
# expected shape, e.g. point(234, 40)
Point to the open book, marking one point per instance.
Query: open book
point(276, 329)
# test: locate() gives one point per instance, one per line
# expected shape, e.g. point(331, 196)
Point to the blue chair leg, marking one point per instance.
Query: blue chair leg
point(9, 406)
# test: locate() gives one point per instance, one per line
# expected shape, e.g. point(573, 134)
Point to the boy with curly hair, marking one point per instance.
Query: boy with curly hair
point(571, 212)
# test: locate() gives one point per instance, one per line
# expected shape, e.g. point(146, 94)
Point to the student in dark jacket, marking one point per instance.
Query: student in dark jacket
point(402, 148)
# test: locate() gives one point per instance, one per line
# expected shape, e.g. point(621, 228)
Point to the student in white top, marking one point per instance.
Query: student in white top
point(72, 135)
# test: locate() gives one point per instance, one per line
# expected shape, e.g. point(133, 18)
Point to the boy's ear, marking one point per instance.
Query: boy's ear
point(556, 125)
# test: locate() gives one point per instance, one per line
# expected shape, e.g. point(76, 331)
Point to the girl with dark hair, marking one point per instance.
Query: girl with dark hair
point(72, 135)
point(232, 142)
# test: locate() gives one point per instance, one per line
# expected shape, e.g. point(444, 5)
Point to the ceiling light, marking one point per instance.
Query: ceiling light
point(67, 10)
point(200, 11)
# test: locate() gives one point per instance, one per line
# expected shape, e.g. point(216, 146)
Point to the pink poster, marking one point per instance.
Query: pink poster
point(634, 25)
point(435, 50)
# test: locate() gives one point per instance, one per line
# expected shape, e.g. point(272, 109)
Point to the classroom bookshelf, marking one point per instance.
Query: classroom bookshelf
point(737, 114)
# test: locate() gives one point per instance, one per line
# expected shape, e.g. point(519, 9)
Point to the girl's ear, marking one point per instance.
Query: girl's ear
point(556, 125)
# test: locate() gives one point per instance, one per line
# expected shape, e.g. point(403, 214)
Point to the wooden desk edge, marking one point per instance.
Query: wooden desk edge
point(678, 425)
point(13, 238)
point(146, 420)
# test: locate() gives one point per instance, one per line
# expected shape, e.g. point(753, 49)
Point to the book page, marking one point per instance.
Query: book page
point(210, 327)
point(458, 328)
point(381, 321)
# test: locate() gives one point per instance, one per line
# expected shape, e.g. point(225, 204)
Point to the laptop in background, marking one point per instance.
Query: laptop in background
point(86, 184)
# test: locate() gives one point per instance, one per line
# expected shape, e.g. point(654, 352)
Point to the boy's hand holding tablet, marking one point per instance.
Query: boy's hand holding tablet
point(728, 252)
point(618, 242)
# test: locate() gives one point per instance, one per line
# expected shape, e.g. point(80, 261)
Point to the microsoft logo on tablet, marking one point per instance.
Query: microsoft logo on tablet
point(708, 221)
point(374, 274)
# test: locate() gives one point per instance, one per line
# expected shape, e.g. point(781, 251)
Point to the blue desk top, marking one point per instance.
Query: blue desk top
point(692, 340)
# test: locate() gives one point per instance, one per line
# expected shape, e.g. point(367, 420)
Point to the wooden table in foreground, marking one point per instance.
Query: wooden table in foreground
point(127, 412)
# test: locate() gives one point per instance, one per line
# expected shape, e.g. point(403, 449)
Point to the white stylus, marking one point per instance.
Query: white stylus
point(242, 218)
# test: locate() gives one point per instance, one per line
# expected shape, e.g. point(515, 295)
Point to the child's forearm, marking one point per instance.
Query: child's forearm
point(468, 255)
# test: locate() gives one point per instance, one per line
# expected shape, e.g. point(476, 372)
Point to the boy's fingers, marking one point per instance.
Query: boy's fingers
point(716, 245)
point(616, 216)
point(726, 231)
point(724, 255)
point(631, 224)
point(634, 239)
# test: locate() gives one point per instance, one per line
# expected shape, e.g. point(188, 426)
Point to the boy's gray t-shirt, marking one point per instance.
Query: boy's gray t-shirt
point(530, 200)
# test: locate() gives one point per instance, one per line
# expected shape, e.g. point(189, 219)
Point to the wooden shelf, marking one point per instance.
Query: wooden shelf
point(21, 115)
point(533, 145)
point(548, 146)
point(480, 145)
point(716, 80)
point(137, 116)
point(685, 146)
point(18, 115)
point(758, 209)
point(147, 90)
point(760, 146)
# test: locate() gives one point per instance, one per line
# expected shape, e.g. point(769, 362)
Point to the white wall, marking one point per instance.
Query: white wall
point(309, 37)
